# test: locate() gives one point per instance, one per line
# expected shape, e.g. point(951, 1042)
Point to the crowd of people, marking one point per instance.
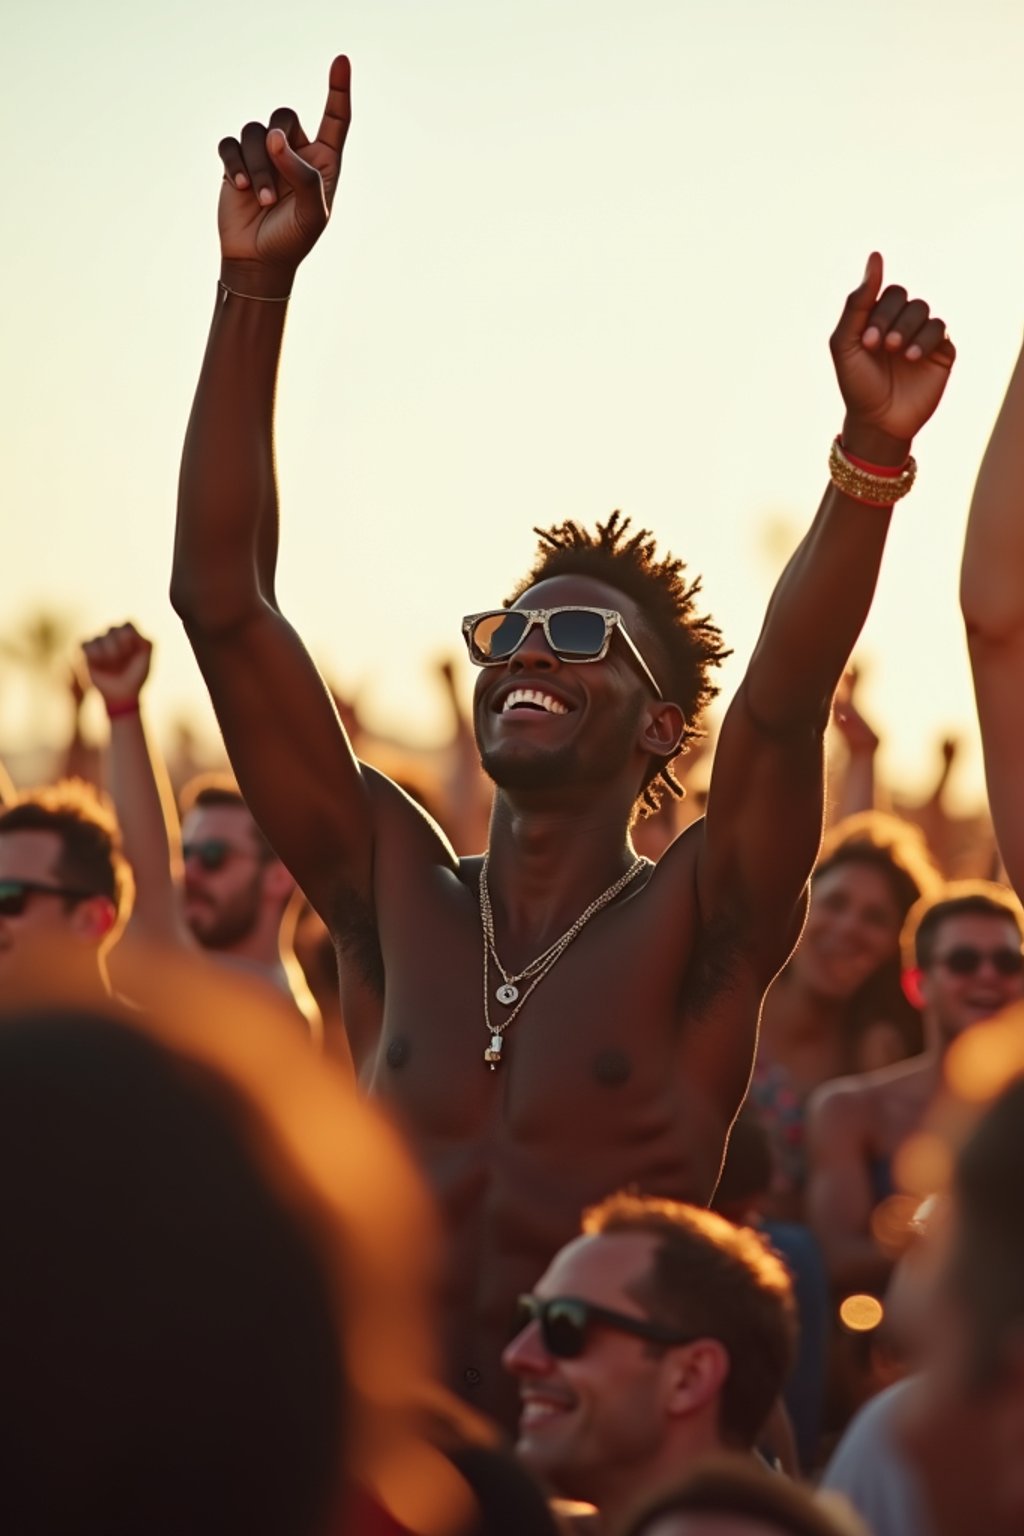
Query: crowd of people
point(564, 1133)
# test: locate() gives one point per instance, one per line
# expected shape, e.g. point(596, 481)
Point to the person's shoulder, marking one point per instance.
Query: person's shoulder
point(870, 1435)
point(841, 1098)
point(860, 1093)
point(839, 1115)
point(683, 851)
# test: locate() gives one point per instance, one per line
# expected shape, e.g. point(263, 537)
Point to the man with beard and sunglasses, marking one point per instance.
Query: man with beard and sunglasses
point(660, 1336)
point(556, 1018)
point(963, 963)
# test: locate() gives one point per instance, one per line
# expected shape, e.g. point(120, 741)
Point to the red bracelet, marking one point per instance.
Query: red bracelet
point(886, 471)
point(128, 707)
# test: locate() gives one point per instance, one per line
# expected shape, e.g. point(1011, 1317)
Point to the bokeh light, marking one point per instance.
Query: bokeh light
point(861, 1313)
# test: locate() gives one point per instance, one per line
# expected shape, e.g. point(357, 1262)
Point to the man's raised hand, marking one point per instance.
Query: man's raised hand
point(892, 360)
point(118, 663)
point(278, 191)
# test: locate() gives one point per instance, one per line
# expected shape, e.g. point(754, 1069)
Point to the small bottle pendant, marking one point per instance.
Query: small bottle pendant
point(492, 1055)
point(507, 994)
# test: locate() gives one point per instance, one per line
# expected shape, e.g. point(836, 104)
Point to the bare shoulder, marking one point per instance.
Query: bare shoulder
point(681, 855)
point(858, 1099)
point(844, 1104)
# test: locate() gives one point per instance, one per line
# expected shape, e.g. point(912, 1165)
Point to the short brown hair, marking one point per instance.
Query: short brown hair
point(220, 789)
point(960, 898)
point(734, 1487)
point(90, 840)
point(714, 1280)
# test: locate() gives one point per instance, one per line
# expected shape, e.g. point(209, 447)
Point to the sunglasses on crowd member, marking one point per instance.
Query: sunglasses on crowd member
point(966, 960)
point(565, 1322)
point(573, 634)
point(212, 853)
point(15, 895)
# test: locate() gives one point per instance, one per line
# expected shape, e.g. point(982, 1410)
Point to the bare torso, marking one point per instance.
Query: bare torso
point(624, 1068)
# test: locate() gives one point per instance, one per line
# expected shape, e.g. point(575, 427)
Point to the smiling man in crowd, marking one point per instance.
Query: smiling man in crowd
point(662, 1335)
point(627, 991)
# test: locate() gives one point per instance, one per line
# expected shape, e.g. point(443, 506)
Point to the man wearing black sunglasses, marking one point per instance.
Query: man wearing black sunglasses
point(963, 963)
point(661, 1335)
point(557, 1018)
point(63, 880)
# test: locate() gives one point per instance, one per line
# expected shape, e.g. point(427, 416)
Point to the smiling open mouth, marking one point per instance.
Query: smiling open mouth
point(533, 699)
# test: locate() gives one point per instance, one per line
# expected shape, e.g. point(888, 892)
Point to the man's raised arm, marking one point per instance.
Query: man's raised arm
point(286, 744)
point(992, 602)
point(892, 361)
point(118, 663)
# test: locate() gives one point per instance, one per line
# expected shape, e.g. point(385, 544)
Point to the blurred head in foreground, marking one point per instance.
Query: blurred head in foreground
point(965, 1428)
point(214, 1300)
point(170, 1357)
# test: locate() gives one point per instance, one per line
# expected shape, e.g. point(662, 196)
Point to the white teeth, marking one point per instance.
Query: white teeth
point(534, 697)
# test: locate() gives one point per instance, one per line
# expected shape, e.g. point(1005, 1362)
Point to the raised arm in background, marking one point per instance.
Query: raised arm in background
point(118, 663)
point(82, 760)
point(992, 602)
point(859, 790)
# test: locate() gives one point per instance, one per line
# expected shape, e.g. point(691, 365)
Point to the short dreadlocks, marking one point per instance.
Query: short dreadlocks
point(690, 643)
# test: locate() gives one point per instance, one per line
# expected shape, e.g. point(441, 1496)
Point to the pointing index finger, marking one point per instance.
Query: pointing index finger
point(338, 110)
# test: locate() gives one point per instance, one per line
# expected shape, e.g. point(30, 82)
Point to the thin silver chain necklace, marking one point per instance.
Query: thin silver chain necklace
point(508, 993)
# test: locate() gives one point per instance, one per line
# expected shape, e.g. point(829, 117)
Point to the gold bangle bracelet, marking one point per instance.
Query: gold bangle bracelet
point(862, 485)
point(260, 298)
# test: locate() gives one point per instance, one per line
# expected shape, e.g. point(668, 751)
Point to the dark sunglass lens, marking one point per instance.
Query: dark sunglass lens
point(1008, 962)
point(210, 855)
point(13, 900)
point(578, 632)
point(565, 1329)
point(963, 961)
point(497, 635)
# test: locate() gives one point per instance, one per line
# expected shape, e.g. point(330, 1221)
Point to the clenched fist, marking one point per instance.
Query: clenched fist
point(118, 663)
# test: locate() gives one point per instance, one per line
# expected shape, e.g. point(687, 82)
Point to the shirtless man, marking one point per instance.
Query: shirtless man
point(627, 1061)
point(965, 964)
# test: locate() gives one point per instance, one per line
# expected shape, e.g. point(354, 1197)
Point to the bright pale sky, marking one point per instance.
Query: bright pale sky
point(586, 254)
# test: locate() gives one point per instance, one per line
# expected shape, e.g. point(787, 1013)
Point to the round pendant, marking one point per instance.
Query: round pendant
point(507, 994)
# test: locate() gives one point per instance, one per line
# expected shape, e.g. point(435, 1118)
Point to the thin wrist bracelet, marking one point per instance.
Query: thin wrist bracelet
point(125, 707)
point(261, 298)
point(860, 484)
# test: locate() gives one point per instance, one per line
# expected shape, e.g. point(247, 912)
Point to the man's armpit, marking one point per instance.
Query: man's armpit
point(714, 966)
point(354, 926)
